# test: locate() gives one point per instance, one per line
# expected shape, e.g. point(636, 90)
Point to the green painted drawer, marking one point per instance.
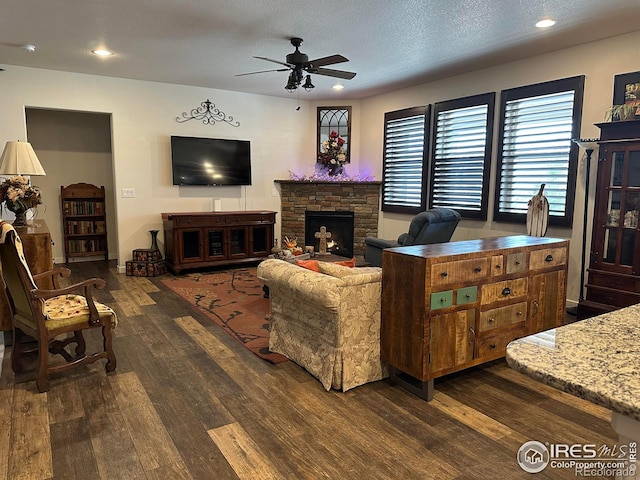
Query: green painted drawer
point(441, 299)
point(467, 295)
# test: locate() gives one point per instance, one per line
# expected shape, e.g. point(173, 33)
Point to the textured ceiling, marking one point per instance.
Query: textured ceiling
point(390, 43)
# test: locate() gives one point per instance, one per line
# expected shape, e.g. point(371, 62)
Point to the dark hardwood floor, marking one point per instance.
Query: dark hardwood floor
point(188, 401)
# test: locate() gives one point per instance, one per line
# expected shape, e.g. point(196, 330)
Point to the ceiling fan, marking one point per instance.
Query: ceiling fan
point(299, 64)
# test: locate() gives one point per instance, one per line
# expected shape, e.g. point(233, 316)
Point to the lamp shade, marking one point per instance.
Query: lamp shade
point(19, 158)
point(586, 143)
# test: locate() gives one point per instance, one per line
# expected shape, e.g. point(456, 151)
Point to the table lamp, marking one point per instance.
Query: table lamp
point(19, 158)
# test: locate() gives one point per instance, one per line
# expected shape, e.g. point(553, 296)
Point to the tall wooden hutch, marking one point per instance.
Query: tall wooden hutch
point(614, 262)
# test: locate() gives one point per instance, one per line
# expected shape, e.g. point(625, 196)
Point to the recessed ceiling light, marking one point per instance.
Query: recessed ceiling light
point(29, 48)
point(337, 86)
point(101, 52)
point(546, 23)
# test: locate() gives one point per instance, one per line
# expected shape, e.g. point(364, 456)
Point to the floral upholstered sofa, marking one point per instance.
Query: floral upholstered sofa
point(328, 322)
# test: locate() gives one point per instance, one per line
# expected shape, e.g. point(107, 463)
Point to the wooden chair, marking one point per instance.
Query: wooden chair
point(47, 314)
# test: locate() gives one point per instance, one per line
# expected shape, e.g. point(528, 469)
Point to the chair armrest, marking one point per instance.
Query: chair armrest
point(53, 275)
point(380, 242)
point(402, 239)
point(86, 286)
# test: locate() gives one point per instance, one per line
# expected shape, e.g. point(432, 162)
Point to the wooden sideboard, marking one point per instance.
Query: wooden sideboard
point(36, 244)
point(197, 240)
point(450, 306)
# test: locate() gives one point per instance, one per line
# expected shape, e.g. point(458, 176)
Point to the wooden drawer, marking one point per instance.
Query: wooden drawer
point(441, 300)
point(201, 221)
point(612, 296)
point(626, 283)
point(466, 295)
point(548, 257)
point(516, 262)
point(507, 290)
point(495, 345)
point(249, 218)
point(499, 317)
point(459, 271)
point(497, 265)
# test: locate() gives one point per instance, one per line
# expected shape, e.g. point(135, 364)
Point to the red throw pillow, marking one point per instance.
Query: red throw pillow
point(347, 263)
point(309, 264)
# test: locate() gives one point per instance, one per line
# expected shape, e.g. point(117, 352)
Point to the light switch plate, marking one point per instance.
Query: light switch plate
point(128, 192)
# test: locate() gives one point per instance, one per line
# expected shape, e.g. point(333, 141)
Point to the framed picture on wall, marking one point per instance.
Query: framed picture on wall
point(626, 90)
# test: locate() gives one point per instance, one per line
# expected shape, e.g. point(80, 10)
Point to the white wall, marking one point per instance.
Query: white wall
point(143, 119)
point(598, 61)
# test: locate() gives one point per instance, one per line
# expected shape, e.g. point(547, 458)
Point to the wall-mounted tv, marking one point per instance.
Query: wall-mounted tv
point(210, 161)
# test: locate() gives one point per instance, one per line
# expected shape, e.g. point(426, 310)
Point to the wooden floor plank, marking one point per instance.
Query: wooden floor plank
point(242, 453)
point(73, 455)
point(153, 444)
point(30, 439)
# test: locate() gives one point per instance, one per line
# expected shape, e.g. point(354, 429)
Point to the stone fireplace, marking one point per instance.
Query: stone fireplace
point(361, 198)
point(340, 226)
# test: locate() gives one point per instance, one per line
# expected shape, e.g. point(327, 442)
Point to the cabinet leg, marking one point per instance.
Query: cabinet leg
point(423, 389)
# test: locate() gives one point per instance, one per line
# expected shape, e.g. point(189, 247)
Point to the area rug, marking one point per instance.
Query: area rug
point(233, 300)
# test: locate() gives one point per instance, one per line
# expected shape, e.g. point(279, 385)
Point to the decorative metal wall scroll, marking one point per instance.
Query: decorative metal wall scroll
point(208, 114)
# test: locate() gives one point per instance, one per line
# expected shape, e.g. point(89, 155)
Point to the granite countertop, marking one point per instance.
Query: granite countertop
point(597, 359)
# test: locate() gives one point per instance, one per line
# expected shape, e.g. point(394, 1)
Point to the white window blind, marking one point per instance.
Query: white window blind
point(403, 161)
point(460, 157)
point(536, 146)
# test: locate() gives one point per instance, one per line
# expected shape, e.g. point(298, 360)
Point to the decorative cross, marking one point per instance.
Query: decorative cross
point(323, 235)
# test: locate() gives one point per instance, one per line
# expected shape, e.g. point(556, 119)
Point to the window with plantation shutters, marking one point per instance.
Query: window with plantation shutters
point(461, 156)
point(536, 128)
point(405, 144)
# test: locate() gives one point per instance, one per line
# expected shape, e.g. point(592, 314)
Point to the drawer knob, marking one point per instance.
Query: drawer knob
point(518, 314)
point(517, 262)
point(506, 291)
point(498, 266)
point(444, 274)
point(467, 295)
point(478, 269)
point(443, 300)
point(492, 346)
point(549, 258)
point(491, 320)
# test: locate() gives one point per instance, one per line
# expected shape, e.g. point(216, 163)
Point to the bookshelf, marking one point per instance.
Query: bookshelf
point(84, 221)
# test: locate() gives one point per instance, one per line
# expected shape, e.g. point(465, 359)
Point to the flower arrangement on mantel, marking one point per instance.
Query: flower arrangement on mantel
point(333, 158)
point(18, 197)
point(332, 154)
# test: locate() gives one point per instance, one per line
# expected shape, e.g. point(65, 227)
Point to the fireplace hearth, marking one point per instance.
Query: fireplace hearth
point(339, 224)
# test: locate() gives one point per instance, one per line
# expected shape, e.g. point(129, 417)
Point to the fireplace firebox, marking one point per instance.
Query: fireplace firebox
point(339, 224)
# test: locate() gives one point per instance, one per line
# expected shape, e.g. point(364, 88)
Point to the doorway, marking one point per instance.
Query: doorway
point(73, 147)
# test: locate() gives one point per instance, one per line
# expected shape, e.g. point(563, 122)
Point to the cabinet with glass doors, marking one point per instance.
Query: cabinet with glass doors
point(614, 263)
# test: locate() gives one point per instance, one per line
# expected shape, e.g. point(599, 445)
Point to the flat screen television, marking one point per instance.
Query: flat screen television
point(210, 161)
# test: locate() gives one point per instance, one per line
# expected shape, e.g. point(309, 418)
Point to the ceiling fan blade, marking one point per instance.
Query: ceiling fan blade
point(262, 71)
point(275, 61)
point(333, 73)
point(330, 60)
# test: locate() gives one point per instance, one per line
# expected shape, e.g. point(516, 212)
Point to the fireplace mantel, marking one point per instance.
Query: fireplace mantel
point(360, 197)
point(330, 182)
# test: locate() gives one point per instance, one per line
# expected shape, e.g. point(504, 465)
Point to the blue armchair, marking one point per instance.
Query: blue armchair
point(435, 225)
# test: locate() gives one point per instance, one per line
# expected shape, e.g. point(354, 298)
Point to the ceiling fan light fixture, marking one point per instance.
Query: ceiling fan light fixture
point(308, 86)
point(338, 86)
point(291, 83)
